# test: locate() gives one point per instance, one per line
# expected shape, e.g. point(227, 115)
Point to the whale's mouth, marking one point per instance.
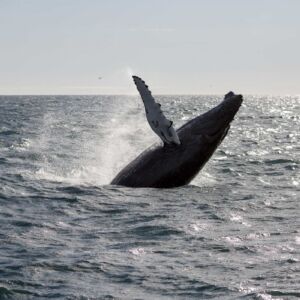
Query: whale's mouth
point(221, 116)
point(230, 105)
point(225, 112)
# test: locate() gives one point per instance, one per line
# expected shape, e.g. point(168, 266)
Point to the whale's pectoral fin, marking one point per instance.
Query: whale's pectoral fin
point(144, 91)
point(156, 119)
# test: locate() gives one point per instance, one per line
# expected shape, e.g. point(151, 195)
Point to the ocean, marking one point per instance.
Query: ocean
point(66, 233)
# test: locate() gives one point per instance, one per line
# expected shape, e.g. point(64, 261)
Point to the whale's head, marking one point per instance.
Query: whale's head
point(207, 131)
point(215, 120)
point(230, 104)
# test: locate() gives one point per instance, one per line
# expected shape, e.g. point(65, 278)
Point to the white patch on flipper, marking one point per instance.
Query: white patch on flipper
point(156, 119)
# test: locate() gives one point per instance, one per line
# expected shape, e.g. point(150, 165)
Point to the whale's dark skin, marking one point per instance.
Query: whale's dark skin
point(167, 166)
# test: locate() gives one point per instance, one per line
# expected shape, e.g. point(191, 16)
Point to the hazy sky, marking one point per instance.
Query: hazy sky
point(177, 46)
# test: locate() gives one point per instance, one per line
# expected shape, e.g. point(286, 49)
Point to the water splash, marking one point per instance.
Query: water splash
point(96, 153)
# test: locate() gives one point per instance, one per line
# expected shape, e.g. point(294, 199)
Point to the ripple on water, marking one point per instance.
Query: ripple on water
point(66, 234)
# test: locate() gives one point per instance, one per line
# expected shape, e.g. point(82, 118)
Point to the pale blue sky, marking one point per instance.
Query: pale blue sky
point(177, 46)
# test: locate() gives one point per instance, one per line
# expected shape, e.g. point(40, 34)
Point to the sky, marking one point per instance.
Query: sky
point(176, 46)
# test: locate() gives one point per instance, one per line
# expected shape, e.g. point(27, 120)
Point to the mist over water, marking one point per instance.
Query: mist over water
point(65, 233)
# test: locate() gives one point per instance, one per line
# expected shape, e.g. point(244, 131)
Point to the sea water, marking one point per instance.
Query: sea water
point(66, 233)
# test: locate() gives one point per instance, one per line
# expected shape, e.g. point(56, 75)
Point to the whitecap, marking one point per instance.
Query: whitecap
point(234, 240)
point(137, 251)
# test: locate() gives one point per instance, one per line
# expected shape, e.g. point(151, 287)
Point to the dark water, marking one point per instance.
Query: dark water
point(65, 233)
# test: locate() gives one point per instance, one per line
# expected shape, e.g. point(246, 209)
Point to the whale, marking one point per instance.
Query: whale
point(169, 165)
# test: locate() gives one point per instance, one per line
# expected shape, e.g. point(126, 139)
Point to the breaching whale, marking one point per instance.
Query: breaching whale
point(185, 151)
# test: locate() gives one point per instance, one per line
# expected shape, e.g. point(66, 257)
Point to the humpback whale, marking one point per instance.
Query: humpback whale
point(184, 152)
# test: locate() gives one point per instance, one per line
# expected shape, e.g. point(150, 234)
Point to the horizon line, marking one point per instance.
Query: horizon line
point(132, 95)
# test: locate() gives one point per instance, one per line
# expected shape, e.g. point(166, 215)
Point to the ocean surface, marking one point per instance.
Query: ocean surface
point(65, 233)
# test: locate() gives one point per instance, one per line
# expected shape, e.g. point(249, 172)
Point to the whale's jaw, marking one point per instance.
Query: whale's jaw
point(172, 165)
point(216, 119)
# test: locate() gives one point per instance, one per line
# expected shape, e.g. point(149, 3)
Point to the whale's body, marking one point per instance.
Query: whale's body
point(167, 166)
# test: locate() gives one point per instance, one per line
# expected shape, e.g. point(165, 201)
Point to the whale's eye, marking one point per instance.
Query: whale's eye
point(212, 137)
point(155, 123)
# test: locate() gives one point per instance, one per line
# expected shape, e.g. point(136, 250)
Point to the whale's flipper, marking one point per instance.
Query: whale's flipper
point(156, 119)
